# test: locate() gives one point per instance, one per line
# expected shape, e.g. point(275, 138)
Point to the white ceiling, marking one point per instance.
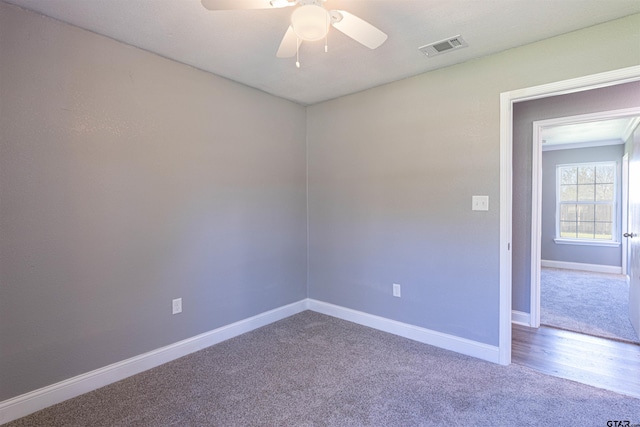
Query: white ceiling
point(241, 44)
point(602, 132)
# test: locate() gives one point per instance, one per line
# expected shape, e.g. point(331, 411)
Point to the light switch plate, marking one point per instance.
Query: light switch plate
point(480, 203)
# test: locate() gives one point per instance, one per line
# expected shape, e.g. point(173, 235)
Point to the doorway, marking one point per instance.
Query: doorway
point(507, 102)
point(579, 216)
point(529, 343)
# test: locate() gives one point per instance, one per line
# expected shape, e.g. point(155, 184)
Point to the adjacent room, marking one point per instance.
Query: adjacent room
point(584, 251)
point(296, 212)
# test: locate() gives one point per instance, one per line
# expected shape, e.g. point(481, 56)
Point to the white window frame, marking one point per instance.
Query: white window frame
point(613, 242)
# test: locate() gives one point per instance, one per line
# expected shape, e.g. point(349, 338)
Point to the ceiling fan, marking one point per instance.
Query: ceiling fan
point(310, 21)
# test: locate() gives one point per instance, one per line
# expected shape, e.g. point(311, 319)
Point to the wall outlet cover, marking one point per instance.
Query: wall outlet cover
point(176, 306)
point(396, 290)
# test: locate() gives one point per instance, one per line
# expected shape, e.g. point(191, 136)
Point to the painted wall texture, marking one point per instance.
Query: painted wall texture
point(549, 249)
point(524, 114)
point(392, 171)
point(127, 180)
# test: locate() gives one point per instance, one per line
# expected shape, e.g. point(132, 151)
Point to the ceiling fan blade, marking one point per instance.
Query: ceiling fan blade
point(289, 44)
point(246, 4)
point(357, 28)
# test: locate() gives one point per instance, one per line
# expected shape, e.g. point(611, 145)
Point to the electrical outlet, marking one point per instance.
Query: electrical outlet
point(396, 290)
point(176, 306)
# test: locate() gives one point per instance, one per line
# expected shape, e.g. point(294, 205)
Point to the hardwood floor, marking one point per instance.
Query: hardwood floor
point(590, 360)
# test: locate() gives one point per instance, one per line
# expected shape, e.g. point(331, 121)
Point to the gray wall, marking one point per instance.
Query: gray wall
point(127, 180)
point(391, 175)
point(576, 253)
point(628, 144)
point(524, 114)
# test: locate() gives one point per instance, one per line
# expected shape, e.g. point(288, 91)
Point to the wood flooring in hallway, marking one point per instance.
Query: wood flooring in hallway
point(599, 362)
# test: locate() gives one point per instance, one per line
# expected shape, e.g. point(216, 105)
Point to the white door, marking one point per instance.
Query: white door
point(633, 231)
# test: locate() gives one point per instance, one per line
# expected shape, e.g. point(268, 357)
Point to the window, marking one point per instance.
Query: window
point(586, 202)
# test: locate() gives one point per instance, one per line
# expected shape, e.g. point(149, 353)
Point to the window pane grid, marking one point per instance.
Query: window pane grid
point(586, 200)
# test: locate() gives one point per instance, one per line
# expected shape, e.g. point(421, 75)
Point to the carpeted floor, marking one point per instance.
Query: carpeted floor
point(590, 303)
point(315, 370)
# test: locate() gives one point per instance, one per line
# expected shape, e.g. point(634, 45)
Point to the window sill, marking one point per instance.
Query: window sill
point(584, 242)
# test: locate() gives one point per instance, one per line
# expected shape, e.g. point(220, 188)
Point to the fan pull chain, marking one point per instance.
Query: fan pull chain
point(298, 52)
point(326, 36)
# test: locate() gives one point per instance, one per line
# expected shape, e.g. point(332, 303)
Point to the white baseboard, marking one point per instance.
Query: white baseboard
point(450, 342)
point(36, 400)
point(520, 318)
point(596, 268)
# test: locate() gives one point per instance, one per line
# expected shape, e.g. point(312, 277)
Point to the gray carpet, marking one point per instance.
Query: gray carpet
point(590, 303)
point(315, 370)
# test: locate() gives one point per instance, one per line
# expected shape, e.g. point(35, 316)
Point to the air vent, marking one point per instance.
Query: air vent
point(443, 46)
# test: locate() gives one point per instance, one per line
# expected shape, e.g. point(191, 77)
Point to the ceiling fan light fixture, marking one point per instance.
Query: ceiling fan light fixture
point(310, 22)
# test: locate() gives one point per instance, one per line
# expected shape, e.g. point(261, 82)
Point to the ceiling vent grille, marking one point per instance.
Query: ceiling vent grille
point(443, 46)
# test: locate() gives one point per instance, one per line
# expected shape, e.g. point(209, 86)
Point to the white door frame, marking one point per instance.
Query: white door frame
point(507, 99)
point(536, 198)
